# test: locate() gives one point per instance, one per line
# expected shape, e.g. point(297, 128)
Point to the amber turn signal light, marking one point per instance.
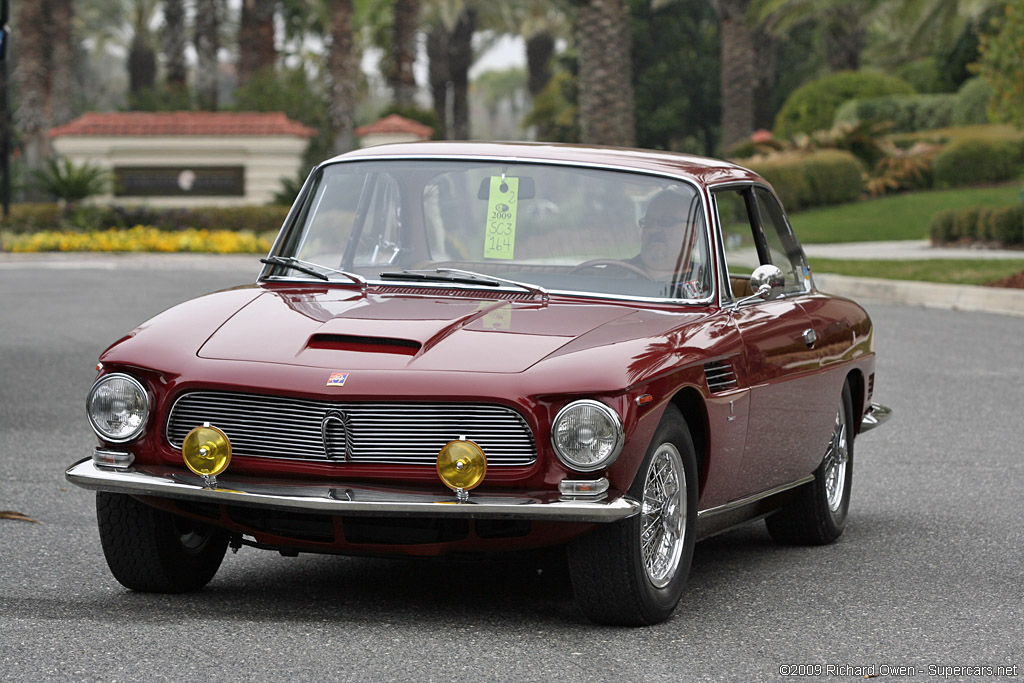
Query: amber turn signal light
point(461, 465)
point(206, 451)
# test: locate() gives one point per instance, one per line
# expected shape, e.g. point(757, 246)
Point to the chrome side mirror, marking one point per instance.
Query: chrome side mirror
point(766, 283)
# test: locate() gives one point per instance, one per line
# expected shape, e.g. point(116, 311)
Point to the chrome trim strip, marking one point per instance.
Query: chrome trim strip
point(742, 502)
point(877, 414)
point(168, 482)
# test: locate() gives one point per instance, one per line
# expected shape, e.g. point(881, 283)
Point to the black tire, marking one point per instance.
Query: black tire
point(817, 515)
point(610, 578)
point(152, 551)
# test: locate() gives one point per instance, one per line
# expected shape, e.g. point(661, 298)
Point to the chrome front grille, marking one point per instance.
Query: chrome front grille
point(383, 433)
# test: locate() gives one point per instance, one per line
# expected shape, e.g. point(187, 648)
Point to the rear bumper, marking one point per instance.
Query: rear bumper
point(877, 414)
point(167, 482)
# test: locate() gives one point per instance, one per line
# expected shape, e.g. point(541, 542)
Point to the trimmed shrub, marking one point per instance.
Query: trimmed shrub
point(1004, 225)
point(827, 176)
point(32, 217)
point(1007, 225)
point(971, 103)
point(907, 113)
point(971, 162)
point(925, 76)
point(941, 227)
point(965, 225)
point(38, 217)
point(813, 106)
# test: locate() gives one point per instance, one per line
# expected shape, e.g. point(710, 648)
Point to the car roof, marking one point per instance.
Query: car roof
point(705, 170)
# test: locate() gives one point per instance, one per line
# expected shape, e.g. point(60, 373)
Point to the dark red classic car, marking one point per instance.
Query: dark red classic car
point(472, 347)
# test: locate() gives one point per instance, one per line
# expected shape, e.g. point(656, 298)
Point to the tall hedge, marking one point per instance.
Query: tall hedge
point(813, 106)
point(827, 176)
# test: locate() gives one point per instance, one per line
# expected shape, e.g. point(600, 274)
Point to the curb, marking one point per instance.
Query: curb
point(927, 294)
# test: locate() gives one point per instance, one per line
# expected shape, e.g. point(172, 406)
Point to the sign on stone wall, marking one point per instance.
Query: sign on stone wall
point(179, 181)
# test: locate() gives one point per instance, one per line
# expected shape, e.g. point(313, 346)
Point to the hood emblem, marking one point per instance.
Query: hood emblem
point(337, 439)
point(337, 379)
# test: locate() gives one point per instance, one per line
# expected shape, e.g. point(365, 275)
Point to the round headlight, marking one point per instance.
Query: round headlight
point(587, 435)
point(118, 407)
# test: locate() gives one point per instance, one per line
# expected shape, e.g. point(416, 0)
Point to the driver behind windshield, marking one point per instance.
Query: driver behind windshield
point(670, 246)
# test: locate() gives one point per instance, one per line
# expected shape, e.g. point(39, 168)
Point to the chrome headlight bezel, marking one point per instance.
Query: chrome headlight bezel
point(614, 433)
point(142, 412)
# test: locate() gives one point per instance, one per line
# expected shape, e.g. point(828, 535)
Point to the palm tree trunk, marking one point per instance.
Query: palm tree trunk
point(401, 78)
point(174, 44)
point(606, 107)
point(62, 61)
point(438, 39)
point(738, 73)
point(255, 39)
point(844, 37)
point(32, 79)
point(343, 65)
point(460, 59)
point(207, 41)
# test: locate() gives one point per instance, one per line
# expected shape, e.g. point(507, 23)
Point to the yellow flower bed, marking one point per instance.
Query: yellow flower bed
point(142, 238)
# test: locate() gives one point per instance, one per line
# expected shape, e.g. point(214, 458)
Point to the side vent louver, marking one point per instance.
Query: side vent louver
point(720, 376)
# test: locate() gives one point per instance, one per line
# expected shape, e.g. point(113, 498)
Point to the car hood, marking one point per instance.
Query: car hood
point(343, 329)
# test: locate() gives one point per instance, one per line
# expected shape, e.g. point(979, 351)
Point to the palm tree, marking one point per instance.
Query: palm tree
point(62, 61)
point(450, 52)
point(404, 26)
point(174, 42)
point(207, 42)
point(605, 84)
point(343, 66)
point(256, 38)
point(32, 79)
point(844, 25)
point(739, 71)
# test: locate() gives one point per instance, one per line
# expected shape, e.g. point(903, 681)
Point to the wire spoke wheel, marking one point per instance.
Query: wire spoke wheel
point(663, 515)
point(836, 458)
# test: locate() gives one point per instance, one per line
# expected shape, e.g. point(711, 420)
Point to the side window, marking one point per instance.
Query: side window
point(783, 249)
point(741, 254)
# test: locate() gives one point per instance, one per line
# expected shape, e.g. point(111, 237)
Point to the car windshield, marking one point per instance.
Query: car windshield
point(562, 228)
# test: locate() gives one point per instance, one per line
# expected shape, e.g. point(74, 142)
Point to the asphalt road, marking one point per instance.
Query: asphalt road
point(928, 574)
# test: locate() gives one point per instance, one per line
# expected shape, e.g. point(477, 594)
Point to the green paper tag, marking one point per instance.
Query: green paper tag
point(500, 232)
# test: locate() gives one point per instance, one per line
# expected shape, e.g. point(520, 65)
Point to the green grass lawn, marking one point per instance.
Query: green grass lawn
point(952, 271)
point(899, 217)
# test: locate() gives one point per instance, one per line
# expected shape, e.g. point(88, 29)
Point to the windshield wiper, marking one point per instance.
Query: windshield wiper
point(310, 268)
point(466, 277)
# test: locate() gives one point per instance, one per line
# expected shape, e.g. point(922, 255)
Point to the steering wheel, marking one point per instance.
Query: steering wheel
point(594, 263)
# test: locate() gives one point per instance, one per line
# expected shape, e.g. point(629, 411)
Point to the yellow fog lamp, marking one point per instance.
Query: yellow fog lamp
point(207, 452)
point(461, 465)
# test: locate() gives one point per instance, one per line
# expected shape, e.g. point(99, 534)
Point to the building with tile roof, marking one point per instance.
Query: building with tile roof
point(187, 158)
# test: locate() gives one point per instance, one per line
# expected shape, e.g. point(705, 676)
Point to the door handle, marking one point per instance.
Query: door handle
point(809, 337)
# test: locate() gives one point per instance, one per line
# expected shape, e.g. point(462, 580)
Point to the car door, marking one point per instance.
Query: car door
point(785, 409)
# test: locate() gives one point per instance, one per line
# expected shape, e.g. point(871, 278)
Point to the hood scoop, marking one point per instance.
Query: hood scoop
point(351, 342)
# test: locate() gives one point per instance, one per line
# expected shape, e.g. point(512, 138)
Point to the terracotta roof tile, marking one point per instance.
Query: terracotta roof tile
point(395, 124)
point(182, 123)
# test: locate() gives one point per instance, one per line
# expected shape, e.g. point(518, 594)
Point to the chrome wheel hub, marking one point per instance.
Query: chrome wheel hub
point(837, 457)
point(663, 515)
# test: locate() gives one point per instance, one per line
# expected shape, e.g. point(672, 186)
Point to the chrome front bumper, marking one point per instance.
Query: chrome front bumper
point(877, 414)
point(167, 482)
